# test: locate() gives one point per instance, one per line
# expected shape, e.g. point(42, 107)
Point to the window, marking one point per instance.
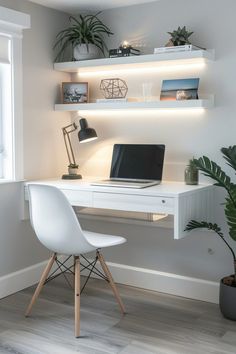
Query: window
point(11, 114)
point(6, 129)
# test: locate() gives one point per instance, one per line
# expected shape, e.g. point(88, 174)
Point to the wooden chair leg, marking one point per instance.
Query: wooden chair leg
point(111, 281)
point(40, 284)
point(77, 296)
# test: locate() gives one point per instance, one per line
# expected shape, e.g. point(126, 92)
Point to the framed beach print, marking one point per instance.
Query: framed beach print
point(74, 92)
point(181, 89)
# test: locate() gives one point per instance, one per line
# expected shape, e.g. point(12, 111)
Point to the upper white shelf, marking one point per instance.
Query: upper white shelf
point(163, 59)
point(185, 104)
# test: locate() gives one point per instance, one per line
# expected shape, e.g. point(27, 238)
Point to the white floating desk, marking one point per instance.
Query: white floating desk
point(175, 198)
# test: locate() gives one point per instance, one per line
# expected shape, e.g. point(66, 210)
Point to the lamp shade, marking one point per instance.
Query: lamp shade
point(86, 134)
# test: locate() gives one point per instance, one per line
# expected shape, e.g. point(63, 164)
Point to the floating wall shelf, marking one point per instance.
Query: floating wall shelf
point(187, 104)
point(150, 61)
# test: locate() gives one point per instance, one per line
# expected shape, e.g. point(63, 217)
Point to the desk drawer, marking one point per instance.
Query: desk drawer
point(78, 198)
point(131, 202)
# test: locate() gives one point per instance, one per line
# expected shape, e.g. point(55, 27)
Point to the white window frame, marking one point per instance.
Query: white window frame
point(1, 128)
point(6, 127)
point(12, 24)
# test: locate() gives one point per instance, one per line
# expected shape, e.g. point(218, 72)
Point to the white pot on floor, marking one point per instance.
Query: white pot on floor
point(84, 52)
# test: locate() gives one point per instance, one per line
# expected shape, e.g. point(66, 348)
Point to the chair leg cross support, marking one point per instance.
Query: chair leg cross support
point(61, 269)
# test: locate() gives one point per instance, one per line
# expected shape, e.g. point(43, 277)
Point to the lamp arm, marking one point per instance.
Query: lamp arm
point(68, 145)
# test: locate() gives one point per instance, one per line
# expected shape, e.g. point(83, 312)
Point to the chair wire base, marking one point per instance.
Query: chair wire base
point(63, 269)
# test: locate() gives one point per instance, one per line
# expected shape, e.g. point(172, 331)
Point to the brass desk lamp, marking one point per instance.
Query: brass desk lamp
point(85, 135)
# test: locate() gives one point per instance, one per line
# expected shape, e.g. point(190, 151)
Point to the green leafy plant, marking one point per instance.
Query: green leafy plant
point(88, 29)
point(191, 163)
point(214, 171)
point(180, 36)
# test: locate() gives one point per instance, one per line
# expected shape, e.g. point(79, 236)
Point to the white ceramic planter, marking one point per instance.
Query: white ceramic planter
point(84, 52)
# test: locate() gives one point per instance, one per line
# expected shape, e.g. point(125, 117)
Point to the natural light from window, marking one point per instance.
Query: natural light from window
point(6, 121)
point(12, 24)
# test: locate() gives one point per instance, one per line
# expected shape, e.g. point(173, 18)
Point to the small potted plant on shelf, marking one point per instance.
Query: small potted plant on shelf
point(179, 37)
point(85, 36)
point(214, 171)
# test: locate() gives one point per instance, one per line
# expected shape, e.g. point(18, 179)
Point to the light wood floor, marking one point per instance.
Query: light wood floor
point(155, 323)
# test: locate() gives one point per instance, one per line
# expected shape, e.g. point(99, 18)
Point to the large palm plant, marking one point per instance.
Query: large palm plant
point(87, 29)
point(214, 171)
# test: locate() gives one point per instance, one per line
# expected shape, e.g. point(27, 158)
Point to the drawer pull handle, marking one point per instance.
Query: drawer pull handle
point(163, 201)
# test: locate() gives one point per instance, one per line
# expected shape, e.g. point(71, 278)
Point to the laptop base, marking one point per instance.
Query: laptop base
point(125, 183)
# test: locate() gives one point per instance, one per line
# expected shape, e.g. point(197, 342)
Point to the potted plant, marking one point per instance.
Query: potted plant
point(214, 171)
point(191, 173)
point(179, 37)
point(84, 36)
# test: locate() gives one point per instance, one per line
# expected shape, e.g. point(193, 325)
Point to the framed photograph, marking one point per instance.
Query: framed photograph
point(75, 92)
point(177, 90)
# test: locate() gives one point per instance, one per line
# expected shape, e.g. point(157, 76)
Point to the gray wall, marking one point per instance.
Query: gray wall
point(185, 134)
point(44, 155)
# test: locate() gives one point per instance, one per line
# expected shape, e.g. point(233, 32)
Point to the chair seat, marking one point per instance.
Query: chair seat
point(101, 240)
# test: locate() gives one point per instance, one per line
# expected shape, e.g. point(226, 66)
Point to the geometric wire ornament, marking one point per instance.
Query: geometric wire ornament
point(113, 88)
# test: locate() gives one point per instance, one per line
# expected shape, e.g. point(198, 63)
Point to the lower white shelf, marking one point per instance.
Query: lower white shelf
point(185, 104)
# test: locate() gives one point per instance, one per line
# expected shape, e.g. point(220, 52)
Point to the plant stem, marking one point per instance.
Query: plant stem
point(233, 254)
point(234, 271)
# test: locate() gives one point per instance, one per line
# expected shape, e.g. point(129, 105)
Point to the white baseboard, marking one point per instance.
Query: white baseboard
point(21, 279)
point(193, 288)
point(149, 279)
point(169, 283)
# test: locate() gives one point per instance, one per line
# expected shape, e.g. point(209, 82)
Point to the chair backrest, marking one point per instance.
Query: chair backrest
point(54, 221)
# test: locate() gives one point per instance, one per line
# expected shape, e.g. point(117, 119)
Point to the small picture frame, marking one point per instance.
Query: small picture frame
point(180, 89)
point(74, 92)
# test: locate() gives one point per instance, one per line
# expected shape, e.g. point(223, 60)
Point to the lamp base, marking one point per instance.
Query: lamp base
point(71, 176)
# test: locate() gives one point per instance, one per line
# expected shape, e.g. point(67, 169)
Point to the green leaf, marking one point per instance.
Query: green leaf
point(83, 30)
point(193, 225)
point(214, 171)
point(230, 213)
point(229, 155)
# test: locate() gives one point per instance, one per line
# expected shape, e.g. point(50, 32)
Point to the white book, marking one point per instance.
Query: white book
point(111, 100)
point(180, 48)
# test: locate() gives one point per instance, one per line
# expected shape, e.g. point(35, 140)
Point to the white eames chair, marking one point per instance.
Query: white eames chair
point(57, 228)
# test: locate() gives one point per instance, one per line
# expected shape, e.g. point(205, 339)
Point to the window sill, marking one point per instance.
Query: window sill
point(7, 181)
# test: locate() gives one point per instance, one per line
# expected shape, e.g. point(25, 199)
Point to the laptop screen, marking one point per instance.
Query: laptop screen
point(135, 161)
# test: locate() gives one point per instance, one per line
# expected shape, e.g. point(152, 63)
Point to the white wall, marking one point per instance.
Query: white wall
point(185, 134)
point(44, 154)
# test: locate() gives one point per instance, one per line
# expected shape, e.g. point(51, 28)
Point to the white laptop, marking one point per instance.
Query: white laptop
point(135, 166)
